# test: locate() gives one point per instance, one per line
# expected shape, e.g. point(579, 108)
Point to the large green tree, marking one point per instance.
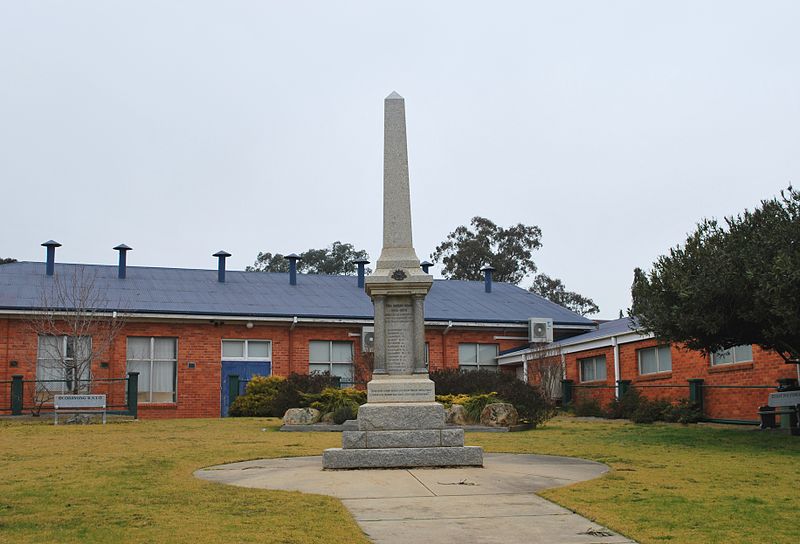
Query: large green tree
point(732, 282)
point(509, 250)
point(335, 259)
point(553, 289)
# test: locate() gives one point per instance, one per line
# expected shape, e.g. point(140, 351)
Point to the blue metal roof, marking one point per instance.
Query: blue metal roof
point(614, 327)
point(263, 294)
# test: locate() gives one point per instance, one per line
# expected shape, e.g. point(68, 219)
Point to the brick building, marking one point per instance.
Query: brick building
point(733, 385)
point(186, 331)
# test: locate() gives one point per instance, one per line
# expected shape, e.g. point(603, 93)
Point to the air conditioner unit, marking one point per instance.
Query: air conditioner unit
point(367, 339)
point(540, 330)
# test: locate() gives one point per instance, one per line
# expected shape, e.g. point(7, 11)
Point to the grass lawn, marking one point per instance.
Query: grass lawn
point(132, 482)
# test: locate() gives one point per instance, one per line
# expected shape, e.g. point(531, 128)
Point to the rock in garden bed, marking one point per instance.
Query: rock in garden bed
point(499, 414)
point(301, 416)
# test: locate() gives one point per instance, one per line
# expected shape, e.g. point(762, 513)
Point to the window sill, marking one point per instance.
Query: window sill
point(654, 377)
point(596, 382)
point(731, 367)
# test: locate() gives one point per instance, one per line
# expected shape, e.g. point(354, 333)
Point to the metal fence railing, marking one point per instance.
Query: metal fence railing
point(19, 396)
point(703, 395)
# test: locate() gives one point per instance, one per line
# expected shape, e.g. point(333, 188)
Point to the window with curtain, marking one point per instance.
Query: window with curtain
point(62, 359)
point(654, 360)
point(477, 356)
point(333, 357)
point(593, 369)
point(156, 361)
point(736, 354)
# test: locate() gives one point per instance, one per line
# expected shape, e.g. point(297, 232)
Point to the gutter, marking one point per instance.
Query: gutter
point(293, 319)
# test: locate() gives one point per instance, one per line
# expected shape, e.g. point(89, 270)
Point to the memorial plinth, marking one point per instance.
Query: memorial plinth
point(401, 425)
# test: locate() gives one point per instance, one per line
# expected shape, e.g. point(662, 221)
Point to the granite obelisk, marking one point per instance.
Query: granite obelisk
point(401, 425)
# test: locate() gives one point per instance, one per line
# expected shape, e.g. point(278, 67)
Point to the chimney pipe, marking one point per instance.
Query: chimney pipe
point(425, 265)
point(487, 277)
point(51, 246)
point(221, 256)
point(292, 258)
point(361, 263)
point(123, 260)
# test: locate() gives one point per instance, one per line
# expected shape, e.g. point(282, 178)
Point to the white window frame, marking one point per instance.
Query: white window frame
point(247, 357)
point(477, 365)
point(152, 360)
point(330, 362)
point(49, 386)
point(595, 360)
point(734, 359)
point(658, 370)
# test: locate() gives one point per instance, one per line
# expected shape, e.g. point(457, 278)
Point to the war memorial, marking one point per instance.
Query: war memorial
point(401, 425)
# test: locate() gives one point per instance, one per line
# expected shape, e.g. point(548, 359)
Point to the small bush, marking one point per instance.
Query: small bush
point(449, 400)
point(650, 411)
point(475, 404)
point(531, 405)
point(684, 412)
point(625, 406)
point(251, 406)
point(345, 412)
point(271, 396)
point(264, 385)
point(331, 399)
point(589, 408)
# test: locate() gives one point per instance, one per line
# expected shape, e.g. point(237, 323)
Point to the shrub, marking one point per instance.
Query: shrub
point(271, 396)
point(684, 412)
point(264, 385)
point(475, 404)
point(531, 405)
point(649, 411)
point(251, 406)
point(589, 408)
point(345, 412)
point(449, 400)
point(625, 406)
point(331, 399)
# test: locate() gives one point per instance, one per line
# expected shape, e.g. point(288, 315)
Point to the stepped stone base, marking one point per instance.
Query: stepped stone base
point(427, 438)
point(337, 458)
point(399, 416)
point(402, 435)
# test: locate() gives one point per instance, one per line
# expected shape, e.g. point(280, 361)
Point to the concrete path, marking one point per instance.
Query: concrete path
point(493, 504)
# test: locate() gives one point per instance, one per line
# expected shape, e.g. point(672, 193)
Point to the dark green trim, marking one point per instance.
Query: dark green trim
point(133, 394)
point(733, 421)
point(566, 392)
point(17, 388)
point(233, 389)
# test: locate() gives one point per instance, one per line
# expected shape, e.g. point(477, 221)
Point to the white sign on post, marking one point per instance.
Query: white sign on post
point(784, 398)
point(79, 403)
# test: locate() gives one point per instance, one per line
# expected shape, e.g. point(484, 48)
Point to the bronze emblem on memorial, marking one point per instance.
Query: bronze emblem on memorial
point(399, 275)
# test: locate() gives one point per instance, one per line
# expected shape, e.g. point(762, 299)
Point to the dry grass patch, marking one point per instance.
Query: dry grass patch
point(132, 482)
point(673, 483)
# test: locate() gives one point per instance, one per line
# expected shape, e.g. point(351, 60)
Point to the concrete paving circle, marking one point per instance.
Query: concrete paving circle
point(493, 504)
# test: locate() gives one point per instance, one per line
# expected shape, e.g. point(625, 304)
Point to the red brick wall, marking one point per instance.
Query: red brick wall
point(601, 391)
point(765, 369)
point(198, 389)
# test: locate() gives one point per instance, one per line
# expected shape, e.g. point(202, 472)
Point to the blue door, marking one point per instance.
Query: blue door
point(245, 371)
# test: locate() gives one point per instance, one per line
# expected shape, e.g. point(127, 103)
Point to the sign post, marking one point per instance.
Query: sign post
point(76, 404)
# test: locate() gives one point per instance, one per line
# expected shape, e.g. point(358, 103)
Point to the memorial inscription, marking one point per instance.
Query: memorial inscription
point(399, 335)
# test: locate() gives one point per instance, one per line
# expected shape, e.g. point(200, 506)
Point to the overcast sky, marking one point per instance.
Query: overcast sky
point(182, 128)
